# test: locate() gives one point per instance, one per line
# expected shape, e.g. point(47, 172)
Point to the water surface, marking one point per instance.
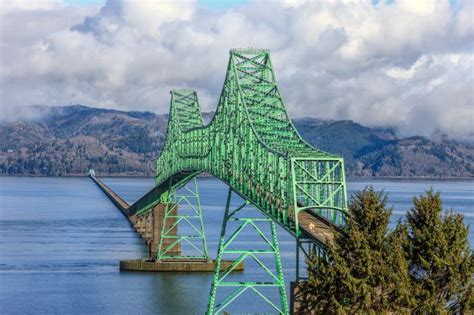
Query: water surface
point(61, 240)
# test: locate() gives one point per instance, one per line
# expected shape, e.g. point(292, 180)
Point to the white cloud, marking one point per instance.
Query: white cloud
point(408, 64)
point(402, 73)
point(30, 5)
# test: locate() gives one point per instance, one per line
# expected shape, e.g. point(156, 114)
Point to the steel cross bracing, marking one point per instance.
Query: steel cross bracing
point(182, 208)
point(252, 145)
point(256, 253)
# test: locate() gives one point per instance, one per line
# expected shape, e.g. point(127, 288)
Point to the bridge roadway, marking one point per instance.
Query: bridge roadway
point(121, 204)
point(253, 147)
point(314, 227)
point(148, 228)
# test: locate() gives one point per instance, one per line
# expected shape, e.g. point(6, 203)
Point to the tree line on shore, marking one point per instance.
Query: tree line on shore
point(422, 266)
point(69, 140)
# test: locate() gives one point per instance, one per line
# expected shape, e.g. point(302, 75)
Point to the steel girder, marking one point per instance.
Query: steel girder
point(254, 252)
point(252, 145)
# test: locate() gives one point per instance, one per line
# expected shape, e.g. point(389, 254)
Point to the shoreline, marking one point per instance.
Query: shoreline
point(205, 175)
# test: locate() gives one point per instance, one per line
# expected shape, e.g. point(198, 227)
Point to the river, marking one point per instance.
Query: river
point(61, 240)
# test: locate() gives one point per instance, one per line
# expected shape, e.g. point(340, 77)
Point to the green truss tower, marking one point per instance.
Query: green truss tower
point(252, 146)
point(183, 208)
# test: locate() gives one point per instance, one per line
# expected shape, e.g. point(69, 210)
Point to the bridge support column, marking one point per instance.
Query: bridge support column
point(260, 252)
point(140, 226)
point(148, 228)
point(158, 215)
point(192, 239)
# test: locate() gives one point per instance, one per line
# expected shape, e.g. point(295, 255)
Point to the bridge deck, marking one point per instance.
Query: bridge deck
point(116, 199)
point(150, 232)
point(312, 226)
point(315, 228)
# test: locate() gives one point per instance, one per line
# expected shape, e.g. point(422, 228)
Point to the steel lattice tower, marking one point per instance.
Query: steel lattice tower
point(252, 146)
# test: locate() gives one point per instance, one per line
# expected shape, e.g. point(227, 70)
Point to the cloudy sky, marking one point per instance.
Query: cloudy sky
point(402, 64)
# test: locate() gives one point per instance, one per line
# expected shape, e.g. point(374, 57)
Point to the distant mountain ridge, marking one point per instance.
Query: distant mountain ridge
point(59, 141)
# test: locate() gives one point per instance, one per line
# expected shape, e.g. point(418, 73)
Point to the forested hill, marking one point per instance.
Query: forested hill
point(69, 140)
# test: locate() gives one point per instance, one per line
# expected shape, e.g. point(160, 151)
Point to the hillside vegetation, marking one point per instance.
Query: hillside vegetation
point(69, 140)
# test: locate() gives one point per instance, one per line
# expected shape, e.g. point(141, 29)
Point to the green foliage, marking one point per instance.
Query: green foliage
point(363, 270)
point(29, 147)
point(423, 266)
point(439, 257)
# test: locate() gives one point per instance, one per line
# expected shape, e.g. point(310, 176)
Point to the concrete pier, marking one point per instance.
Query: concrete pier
point(191, 265)
point(149, 226)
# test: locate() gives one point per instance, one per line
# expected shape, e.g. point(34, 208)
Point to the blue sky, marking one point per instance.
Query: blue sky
point(214, 3)
point(223, 3)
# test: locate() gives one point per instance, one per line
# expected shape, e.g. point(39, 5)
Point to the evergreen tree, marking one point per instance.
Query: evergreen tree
point(365, 270)
point(440, 260)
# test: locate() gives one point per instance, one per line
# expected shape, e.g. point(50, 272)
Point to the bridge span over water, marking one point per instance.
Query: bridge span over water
point(253, 147)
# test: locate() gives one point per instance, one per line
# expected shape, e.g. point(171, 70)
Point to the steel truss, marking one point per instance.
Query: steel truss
point(232, 216)
point(190, 216)
point(252, 145)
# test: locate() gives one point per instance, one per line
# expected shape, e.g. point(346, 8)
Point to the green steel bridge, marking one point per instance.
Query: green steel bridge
point(253, 147)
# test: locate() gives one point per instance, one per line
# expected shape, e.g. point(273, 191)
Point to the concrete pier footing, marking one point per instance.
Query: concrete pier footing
point(190, 265)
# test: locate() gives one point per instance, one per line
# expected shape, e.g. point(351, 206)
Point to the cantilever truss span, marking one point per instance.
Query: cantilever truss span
point(252, 145)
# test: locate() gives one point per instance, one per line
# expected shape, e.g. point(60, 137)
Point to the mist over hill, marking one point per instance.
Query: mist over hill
point(59, 141)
